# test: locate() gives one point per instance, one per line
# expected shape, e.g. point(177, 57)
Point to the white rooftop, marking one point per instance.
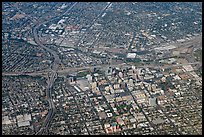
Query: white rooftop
point(131, 55)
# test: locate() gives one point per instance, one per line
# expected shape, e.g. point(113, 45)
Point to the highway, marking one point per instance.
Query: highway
point(71, 70)
point(54, 70)
point(53, 75)
point(122, 65)
point(195, 41)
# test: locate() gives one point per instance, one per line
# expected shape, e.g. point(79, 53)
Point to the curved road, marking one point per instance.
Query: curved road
point(53, 74)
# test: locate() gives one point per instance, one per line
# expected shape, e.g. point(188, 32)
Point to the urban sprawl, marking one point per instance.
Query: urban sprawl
point(97, 68)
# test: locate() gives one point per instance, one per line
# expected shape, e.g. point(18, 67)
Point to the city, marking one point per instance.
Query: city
point(102, 68)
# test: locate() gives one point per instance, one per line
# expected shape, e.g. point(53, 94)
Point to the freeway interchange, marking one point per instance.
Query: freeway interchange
point(51, 79)
point(54, 69)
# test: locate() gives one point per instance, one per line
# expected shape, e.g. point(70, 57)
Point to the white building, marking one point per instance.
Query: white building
point(131, 55)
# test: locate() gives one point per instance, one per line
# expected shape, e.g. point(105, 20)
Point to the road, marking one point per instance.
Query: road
point(93, 22)
point(71, 70)
point(195, 40)
point(71, 91)
point(53, 75)
point(54, 71)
